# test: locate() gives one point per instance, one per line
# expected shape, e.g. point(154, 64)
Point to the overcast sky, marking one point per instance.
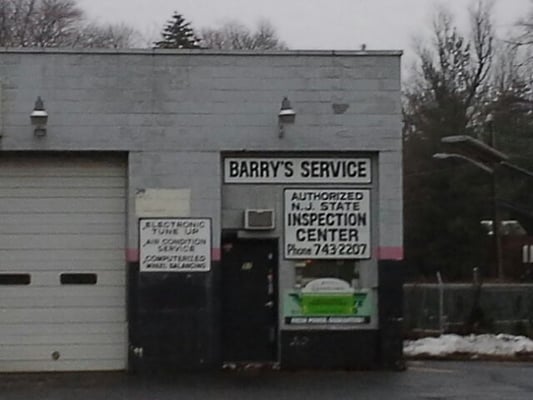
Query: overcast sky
point(305, 24)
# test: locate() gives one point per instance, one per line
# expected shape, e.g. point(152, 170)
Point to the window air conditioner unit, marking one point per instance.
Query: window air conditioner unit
point(259, 219)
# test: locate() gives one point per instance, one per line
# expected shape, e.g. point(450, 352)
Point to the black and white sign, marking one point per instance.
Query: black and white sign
point(327, 224)
point(328, 320)
point(175, 244)
point(297, 170)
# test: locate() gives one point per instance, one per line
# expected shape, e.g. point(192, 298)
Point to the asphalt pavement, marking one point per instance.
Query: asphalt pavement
point(430, 380)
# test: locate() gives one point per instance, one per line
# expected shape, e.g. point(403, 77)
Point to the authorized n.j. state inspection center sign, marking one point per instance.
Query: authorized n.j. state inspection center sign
point(327, 223)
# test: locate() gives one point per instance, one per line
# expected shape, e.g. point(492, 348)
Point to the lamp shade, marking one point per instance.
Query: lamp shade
point(286, 114)
point(39, 116)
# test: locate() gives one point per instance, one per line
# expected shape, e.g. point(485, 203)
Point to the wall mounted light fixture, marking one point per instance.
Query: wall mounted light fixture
point(286, 116)
point(39, 118)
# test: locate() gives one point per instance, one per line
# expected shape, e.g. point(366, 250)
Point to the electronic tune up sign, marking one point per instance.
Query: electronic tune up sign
point(327, 224)
point(175, 244)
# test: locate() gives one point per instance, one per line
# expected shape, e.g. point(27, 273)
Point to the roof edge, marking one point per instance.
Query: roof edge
point(190, 52)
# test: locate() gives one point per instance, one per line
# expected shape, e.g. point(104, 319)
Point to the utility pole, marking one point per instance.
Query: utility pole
point(496, 222)
point(490, 160)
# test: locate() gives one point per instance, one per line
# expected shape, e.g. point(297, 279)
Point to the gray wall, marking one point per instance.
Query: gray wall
point(175, 112)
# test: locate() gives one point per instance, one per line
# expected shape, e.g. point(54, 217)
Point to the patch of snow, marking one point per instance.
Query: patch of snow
point(490, 345)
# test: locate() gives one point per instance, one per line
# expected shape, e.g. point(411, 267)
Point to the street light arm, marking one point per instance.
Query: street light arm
point(478, 153)
point(443, 156)
point(516, 168)
point(474, 148)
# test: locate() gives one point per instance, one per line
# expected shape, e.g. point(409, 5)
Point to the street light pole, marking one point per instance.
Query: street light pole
point(496, 222)
point(491, 160)
point(496, 228)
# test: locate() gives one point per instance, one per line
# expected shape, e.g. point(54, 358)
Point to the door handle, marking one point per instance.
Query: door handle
point(269, 304)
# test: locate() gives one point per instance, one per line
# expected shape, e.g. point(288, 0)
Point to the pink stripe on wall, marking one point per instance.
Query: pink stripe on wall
point(390, 253)
point(215, 254)
point(132, 255)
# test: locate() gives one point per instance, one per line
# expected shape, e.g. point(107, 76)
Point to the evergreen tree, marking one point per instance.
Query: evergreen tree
point(178, 34)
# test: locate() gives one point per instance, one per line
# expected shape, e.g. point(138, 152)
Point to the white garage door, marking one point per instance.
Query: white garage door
point(62, 266)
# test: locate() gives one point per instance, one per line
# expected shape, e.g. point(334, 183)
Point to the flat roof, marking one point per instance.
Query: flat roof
point(191, 52)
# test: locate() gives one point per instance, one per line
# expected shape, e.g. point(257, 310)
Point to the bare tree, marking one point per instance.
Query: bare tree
point(106, 36)
point(523, 42)
point(525, 26)
point(55, 23)
point(42, 23)
point(235, 36)
point(446, 97)
point(454, 69)
point(483, 44)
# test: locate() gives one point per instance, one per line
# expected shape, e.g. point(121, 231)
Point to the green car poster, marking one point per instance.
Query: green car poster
point(327, 301)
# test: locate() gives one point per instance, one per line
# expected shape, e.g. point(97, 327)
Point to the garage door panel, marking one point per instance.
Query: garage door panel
point(113, 329)
point(78, 280)
point(21, 302)
point(103, 278)
point(53, 225)
point(67, 265)
point(62, 227)
point(47, 315)
point(61, 365)
point(53, 205)
point(80, 192)
point(43, 292)
point(15, 303)
point(59, 228)
point(49, 255)
point(57, 182)
point(66, 352)
point(36, 218)
point(61, 241)
point(60, 339)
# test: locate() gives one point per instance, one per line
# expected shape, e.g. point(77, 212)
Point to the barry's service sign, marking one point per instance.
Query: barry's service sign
point(327, 223)
point(175, 244)
point(297, 170)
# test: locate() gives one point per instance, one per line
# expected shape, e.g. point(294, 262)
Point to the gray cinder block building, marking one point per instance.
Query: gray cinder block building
point(183, 210)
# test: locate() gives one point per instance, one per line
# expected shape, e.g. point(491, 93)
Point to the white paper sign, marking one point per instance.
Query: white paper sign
point(175, 244)
point(162, 202)
point(327, 224)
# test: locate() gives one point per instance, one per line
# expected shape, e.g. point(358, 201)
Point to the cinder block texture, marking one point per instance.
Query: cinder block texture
point(176, 112)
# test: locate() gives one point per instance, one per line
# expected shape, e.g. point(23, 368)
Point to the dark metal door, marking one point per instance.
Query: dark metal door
point(249, 300)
